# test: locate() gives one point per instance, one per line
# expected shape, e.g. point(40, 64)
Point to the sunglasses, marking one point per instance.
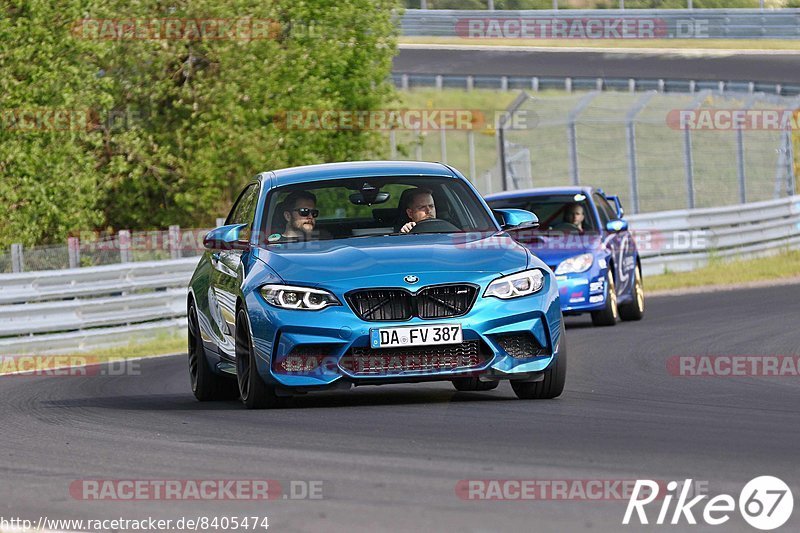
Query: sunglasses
point(305, 211)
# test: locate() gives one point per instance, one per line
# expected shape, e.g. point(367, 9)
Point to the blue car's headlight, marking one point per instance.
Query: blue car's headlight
point(576, 264)
point(303, 298)
point(516, 285)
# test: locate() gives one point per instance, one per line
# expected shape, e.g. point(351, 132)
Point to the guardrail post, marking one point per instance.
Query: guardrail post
point(631, 85)
point(568, 84)
point(17, 258)
point(439, 82)
point(504, 83)
point(404, 82)
point(74, 249)
point(630, 130)
point(175, 242)
point(470, 82)
point(535, 84)
point(124, 239)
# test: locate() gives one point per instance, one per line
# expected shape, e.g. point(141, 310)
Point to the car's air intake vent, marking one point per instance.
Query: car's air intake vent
point(437, 301)
point(521, 345)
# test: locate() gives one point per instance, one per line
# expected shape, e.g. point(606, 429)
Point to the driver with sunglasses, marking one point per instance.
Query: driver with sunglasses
point(301, 214)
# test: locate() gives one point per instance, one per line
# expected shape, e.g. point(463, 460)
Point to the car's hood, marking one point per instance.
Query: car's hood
point(320, 262)
point(552, 248)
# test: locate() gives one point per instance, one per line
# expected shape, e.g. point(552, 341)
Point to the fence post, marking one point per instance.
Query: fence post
point(175, 242)
point(688, 161)
point(74, 249)
point(572, 136)
point(17, 258)
point(124, 239)
point(630, 129)
point(740, 168)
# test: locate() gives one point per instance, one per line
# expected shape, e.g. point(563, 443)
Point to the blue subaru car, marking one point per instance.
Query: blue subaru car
point(584, 239)
point(329, 276)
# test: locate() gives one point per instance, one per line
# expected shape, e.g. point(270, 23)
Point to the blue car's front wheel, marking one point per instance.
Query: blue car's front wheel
point(255, 394)
point(552, 383)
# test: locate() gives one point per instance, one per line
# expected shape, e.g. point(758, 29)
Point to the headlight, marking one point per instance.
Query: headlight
point(516, 285)
point(303, 298)
point(574, 265)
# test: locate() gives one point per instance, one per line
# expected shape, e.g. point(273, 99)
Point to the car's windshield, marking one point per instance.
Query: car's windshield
point(369, 207)
point(557, 212)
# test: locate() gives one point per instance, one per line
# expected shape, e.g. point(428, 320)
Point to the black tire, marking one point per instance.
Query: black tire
point(554, 377)
point(609, 314)
point(206, 385)
point(635, 309)
point(255, 394)
point(474, 384)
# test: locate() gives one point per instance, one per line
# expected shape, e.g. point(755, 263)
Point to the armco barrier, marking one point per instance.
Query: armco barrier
point(573, 23)
point(75, 310)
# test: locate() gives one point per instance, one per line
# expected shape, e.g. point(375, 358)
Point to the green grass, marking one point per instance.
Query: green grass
point(730, 273)
point(685, 44)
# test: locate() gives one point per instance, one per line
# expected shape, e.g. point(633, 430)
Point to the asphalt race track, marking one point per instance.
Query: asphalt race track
point(390, 457)
point(772, 67)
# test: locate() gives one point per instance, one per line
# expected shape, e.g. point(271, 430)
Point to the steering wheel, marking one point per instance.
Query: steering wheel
point(434, 225)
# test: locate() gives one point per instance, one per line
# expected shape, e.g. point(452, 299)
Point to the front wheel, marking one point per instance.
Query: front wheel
point(552, 385)
point(255, 394)
point(635, 309)
point(608, 315)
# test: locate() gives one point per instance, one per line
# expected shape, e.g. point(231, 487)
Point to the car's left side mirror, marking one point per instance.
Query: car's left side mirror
point(226, 238)
point(516, 219)
point(615, 226)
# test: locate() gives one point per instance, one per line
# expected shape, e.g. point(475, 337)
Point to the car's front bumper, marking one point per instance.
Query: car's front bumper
point(584, 292)
point(306, 350)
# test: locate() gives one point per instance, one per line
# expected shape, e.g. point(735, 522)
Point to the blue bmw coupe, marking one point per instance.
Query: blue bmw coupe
point(584, 238)
point(329, 276)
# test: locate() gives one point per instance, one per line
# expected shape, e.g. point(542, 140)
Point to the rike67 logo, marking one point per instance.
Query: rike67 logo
point(765, 502)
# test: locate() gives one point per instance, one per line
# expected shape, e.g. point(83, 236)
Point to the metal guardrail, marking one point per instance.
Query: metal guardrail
point(92, 308)
point(685, 240)
point(406, 81)
point(649, 23)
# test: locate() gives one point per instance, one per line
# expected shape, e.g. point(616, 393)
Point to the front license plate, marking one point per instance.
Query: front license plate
point(416, 336)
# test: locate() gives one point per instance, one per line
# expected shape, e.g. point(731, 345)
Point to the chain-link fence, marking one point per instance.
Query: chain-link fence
point(658, 151)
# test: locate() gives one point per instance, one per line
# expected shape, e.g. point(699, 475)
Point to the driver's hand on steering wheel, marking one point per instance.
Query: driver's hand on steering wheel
point(407, 227)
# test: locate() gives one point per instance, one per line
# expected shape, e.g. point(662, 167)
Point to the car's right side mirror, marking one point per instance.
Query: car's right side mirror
point(615, 226)
point(516, 219)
